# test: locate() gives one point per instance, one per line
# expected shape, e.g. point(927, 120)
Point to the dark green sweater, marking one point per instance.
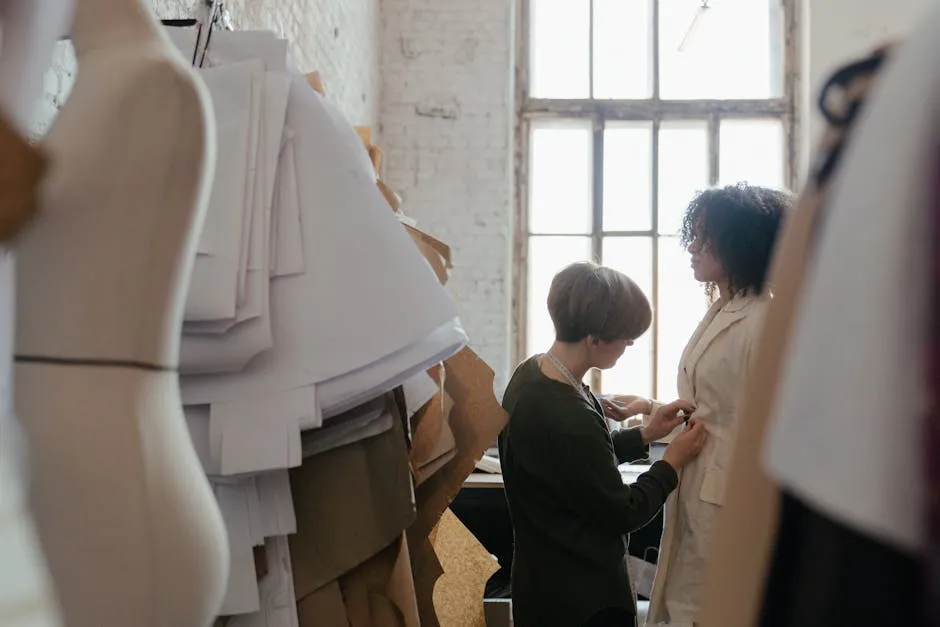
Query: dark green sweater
point(570, 509)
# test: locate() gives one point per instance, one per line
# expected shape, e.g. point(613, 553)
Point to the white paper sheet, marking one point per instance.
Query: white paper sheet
point(345, 392)
point(418, 390)
point(213, 290)
point(274, 108)
point(241, 597)
point(289, 251)
point(277, 504)
point(278, 606)
point(366, 421)
point(366, 293)
point(262, 433)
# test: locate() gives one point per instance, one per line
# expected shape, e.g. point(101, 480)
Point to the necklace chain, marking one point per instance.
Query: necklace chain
point(567, 374)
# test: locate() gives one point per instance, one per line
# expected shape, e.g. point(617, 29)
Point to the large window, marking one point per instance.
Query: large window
point(626, 109)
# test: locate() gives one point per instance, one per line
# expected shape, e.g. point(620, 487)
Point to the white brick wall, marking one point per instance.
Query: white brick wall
point(337, 37)
point(446, 121)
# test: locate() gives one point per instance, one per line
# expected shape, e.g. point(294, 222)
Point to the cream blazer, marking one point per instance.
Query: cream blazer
point(711, 374)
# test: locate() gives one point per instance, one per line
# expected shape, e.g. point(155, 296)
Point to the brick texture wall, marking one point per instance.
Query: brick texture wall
point(446, 121)
point(340, 38)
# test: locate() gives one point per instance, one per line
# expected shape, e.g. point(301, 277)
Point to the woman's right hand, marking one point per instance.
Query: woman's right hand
point(686, 446)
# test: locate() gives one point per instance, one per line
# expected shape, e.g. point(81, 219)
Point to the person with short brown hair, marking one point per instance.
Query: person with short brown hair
point(570, 507)
point(588, 299)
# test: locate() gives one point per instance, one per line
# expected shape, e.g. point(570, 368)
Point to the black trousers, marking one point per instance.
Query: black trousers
point(612, 617)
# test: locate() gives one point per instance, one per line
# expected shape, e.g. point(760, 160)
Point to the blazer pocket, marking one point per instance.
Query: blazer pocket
point(713, 486)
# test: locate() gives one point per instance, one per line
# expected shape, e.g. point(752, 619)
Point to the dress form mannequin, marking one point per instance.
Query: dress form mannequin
point(132, 533)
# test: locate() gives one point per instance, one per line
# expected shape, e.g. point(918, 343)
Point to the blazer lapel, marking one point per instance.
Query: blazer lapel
point(724, 318)
point(685, 387)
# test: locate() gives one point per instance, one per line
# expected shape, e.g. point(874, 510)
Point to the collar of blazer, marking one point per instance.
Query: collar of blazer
point(716, 323)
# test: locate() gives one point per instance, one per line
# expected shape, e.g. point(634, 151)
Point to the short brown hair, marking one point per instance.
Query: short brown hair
point(586, 299)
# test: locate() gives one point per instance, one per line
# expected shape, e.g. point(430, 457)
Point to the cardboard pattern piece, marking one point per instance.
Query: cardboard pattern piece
point(476, 420)
point(426, 569)
point(380, 592)
point(350, 502)
point(443, 449)
point(390, 197)
point(426, 423)
point(435, 251)
point(323, 608)
point(458, 595)
point(365, 134)
point(432, 440)
point(316, 82)
point(375, 153)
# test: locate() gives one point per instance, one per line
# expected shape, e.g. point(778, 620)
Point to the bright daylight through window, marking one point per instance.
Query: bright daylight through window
point(628, 107)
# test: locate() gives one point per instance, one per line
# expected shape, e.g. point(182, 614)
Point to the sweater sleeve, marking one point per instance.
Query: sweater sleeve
point(629, 446)
point(594, 483)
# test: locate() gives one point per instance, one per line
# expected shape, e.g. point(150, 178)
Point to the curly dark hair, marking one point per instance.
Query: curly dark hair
point(740, 223)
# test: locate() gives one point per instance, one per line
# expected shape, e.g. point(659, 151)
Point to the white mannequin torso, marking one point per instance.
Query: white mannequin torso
point(130, 527)
point(105, 264)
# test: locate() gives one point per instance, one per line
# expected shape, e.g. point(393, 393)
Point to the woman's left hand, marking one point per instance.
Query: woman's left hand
point(666, 418)
point(623, 407)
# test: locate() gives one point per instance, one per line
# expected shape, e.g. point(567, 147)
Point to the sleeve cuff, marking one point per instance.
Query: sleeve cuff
point(628, 445)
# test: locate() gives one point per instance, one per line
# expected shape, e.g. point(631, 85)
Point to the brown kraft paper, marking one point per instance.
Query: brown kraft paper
point(432, 438)
point(427, 571)
point(434, 251)
point(476, 420)
point(350, 503)
point(380, 592)
point(323, 608)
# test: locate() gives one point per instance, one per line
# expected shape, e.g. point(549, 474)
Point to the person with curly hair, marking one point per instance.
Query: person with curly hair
point(730, 233)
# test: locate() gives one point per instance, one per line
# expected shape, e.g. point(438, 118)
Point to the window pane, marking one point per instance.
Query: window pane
point(622, 64)
point(560, 177)
point(682, 304)
point(751, 151)
point(633, 373)
point(683, 169)
point(720, 49)
point(559, 50)
point(547, 255)
point(628, 176)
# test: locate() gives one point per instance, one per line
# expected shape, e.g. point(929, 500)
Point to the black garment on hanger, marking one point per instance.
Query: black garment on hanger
point(826, 575)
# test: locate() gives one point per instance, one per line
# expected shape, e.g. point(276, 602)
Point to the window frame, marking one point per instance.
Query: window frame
point(654, 110)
